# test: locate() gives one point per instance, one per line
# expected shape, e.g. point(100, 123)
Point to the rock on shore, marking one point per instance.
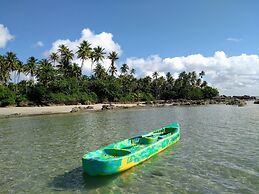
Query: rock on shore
point(228, 100)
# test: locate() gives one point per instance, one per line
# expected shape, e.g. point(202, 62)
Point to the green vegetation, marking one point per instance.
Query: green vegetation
point(58, 80)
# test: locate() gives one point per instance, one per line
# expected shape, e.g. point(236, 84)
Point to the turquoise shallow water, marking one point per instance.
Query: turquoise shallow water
point(218, 151)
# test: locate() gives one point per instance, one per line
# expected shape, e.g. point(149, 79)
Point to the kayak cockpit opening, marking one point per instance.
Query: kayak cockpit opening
point(127, 147)
point(167, 130)
point(116, 152)
point(147, 140)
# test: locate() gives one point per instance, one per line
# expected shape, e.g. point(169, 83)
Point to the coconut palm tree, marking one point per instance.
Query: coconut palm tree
point(198, 82)
point(11, 61)
point(45, 72)
point(124, 69)
point(113, 56)
point(92, 58)
point(99, 71)
point(201, 74)
point(132, 71)
point(113, 70)
point(62, 49)
point(54, 57)
point(66, 56)
point(84, 52)
point(19, 69)
point(31, 67)
point(75, 71)
point(155, 75)
point(204, 84)
point(98, 54)
point(193, 78)
point(4, 71)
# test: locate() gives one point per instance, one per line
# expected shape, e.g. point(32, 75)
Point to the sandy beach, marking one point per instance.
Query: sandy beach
point(26, 111)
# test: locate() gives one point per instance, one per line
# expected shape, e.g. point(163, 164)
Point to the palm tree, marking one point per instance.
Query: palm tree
point(99, 71)
point(75, 70)
point(201, 74)
point(11, 61)
point(53, 57)
point(113, 56)
point(124, 69)
point(204, 84)
point(19, 69)
point(132, 71)
point(31, 67)
point(66, 56)
point(198, 82)
point(193, 78)
point(113, 70)
point(84, 52)
point(92, 58)
point(98, 54)
point(155, 75)
point(168, 76)
point(155, 83)
point(4, 71)
point(62, 50)
point(45, 72)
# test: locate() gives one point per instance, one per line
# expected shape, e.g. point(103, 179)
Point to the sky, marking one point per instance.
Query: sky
point(220, 37)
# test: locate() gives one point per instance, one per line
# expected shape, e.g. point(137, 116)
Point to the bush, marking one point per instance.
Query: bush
point(134, 97)
point(195, 93)
point(209, 92)
point(127, 98)
point(146, 97)
point(7, 97)
point(60, 98)
point(21, 100)
point(85, 98)
point(37, 94)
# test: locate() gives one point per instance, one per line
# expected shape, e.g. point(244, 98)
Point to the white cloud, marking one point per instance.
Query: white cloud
point(104, 39)
point(5, 36)
point(232, 75)
point(231, 39)
point(38, 44)
point(235, 75)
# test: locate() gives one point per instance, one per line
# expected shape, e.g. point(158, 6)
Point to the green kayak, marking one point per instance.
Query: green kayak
point(125, 154)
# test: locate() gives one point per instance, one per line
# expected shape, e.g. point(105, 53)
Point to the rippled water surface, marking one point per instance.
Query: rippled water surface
point(218, 151)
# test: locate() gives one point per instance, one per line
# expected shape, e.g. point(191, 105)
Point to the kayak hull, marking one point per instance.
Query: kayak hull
point(123, 155)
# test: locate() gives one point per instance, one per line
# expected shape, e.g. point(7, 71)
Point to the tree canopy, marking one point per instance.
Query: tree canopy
point(59, 80)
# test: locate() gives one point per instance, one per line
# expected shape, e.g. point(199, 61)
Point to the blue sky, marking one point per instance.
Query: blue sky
point(142, 28)
point(167, 28)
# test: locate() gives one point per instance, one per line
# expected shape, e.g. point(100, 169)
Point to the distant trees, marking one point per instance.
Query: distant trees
point(59, 80)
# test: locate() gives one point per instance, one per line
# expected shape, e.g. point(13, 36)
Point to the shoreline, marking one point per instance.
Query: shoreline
point(7, 112)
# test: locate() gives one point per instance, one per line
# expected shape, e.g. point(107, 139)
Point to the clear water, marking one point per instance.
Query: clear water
point(218, 151)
